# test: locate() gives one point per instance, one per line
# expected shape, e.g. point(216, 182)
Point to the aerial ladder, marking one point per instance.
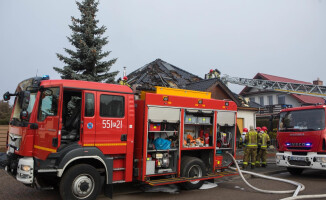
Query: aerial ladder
point(286, 87)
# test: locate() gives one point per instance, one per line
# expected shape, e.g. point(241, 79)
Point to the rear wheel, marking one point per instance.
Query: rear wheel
point(80, 182)
point(193, 168)
point(295, 171)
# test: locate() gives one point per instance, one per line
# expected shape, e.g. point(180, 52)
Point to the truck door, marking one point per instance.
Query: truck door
point(111, 123)
point(48, 120)
point(88, 120)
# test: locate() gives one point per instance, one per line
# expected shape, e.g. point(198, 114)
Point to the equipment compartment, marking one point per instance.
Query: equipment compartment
point(162, 141)
point(198, 128)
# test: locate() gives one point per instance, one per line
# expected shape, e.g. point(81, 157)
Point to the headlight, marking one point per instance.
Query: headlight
point(279, 157)
point(321, 159)
point(25, 168)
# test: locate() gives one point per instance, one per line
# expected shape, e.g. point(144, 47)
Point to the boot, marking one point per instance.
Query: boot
point(244, 167)
point(252, 166)
point(263, 165)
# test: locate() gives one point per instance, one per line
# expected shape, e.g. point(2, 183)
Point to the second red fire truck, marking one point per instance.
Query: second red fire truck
point(301, 139)
point(75, 134)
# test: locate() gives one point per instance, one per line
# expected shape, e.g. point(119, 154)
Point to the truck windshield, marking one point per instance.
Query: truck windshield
point(302, 120)
point(23, 86)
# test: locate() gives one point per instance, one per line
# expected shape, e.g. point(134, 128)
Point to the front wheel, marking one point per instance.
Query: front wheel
point(193, 168)
point(295, 171)
point(80, 182)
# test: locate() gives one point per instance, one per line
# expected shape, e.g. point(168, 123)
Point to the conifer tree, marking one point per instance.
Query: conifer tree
point(85, 63)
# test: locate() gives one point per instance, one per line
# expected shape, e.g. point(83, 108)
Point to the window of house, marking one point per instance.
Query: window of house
point(270, 100)
point(252, 99)
point(89, 105)
point(281, 99)
point(261, 101)
point(112, 106)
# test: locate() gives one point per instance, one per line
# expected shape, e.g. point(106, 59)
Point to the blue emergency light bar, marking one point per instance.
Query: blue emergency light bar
point(46, 77)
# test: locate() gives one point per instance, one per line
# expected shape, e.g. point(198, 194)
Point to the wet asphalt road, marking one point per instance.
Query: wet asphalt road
point(230, 188)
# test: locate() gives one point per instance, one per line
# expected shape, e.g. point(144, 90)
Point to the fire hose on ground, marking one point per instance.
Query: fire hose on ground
point(300, 187)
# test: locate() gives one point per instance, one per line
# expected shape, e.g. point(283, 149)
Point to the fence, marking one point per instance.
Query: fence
point(3, 136)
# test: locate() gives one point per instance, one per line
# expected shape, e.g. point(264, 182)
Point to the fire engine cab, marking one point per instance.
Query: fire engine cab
point(73, 134)
point(301, 139)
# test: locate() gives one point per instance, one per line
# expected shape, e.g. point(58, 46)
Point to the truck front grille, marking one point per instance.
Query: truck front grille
point(299, 148)
point(299, 163)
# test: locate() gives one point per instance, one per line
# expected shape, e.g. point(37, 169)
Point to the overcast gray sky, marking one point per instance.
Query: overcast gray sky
point(239, 37)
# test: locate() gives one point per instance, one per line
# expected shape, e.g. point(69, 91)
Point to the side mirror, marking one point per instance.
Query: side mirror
point(6, 96)
point(25, 100)
point(23, 115)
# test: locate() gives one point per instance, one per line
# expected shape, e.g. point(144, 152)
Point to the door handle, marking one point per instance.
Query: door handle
point(124, 137)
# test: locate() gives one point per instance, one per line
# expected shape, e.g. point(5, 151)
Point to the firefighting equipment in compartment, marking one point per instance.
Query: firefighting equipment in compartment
point(225, 139)
point(161, 160)
point(154, 127)
point(162, 144)
point(206, 139)
point(218, 161)
point(251, 148)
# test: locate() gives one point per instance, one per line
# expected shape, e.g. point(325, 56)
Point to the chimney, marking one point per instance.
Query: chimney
point(318, 82)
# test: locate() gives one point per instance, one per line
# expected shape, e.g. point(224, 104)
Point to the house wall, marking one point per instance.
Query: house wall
point(249, 118)
point(217, 92)
point(288, 98)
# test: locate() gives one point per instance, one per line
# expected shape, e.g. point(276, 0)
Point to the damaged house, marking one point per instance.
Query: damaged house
point(161, 73)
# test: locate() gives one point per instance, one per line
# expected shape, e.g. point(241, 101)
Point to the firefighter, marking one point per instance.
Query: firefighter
point(210, 74)
point(124, 81)
point(265, 141)
point(242, 138)
point(251, 148)
point(214, 73)
point(259, 132)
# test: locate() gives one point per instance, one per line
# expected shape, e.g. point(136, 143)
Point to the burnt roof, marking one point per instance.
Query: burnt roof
point(161, 73)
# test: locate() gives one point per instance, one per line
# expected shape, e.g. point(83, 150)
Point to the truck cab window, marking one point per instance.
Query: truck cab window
point(89, 105)
point(48, 103)
point(112, 106)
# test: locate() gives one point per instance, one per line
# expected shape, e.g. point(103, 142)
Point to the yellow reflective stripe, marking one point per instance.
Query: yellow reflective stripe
point(45, 149)
point(264, 146)
point(245, 163)
point(251, 145)
point(105, 144)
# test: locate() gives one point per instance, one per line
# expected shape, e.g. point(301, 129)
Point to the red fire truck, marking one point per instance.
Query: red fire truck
point(73, 134)
point(301, 139)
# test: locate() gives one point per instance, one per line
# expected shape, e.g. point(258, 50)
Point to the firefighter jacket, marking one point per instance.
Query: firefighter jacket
point(259, 138)
point(264, 140)
point(251, 139)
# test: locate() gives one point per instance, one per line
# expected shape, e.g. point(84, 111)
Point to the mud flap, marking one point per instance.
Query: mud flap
point(108, 190)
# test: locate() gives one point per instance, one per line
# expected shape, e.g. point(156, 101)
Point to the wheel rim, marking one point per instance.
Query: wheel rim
point(195, 171)
point(83, 186)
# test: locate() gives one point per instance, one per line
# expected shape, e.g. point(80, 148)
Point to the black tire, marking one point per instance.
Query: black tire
point(191, 167)
point(80, 179)
point(295, 171)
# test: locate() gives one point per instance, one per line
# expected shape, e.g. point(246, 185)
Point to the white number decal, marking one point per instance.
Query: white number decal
point(112, 124)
